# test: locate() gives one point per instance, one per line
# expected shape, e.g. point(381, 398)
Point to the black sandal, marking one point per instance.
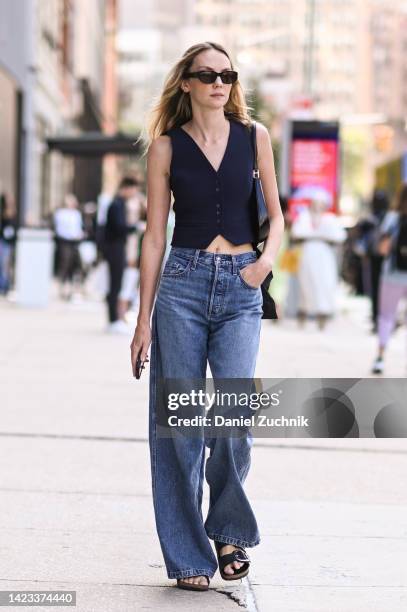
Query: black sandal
point(239, 555)
point(190, 586)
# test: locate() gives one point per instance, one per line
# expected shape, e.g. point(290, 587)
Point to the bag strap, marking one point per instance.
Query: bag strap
point(256, 173)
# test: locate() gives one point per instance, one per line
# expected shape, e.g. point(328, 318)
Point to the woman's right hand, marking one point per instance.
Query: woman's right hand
point(384, 245)
point(141, 340)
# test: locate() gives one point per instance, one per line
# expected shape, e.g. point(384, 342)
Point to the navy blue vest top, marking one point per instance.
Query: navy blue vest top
point(209, 202)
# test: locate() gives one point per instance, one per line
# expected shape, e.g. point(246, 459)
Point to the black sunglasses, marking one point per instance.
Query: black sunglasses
point(210, 76)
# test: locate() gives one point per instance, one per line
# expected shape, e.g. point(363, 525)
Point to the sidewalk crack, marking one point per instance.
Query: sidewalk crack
point(235, 596)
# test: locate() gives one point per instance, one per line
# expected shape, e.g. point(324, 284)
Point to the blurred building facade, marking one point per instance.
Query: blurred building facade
point(344, 54)
point(60, 61)
point(52, 61)
point(323, 59)
point(340, 54)
point(389, 67)
point(141, 63)
point(15, 72)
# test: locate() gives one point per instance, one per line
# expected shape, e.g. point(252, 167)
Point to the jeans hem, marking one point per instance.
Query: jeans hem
point(234, 541)
point(191, 572)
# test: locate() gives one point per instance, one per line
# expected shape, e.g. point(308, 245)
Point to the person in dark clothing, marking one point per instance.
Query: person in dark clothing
point(368, 231)
point(380, 205)
point(116, 232)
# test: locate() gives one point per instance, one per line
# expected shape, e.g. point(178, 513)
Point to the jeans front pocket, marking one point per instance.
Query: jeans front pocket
point(244, 283)
point(176, 266)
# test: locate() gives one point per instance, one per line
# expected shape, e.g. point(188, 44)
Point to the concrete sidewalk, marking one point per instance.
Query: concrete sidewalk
point(76, 509)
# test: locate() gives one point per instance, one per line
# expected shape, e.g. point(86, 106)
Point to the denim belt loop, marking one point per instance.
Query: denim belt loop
point(234, 265)
point(196, 255)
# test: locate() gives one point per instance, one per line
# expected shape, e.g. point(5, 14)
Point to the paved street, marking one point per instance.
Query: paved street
point(76, 509)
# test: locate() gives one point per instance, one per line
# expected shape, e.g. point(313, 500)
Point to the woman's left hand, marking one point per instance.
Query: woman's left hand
point(253, 274)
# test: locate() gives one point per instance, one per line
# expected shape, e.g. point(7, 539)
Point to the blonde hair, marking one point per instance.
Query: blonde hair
point(173, 107)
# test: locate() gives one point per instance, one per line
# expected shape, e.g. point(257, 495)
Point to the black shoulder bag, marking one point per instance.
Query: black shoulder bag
point(262, 228)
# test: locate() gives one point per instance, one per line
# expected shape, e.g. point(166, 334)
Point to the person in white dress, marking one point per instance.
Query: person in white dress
point(319, 231)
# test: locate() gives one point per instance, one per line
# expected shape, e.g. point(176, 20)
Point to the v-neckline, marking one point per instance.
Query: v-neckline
point(203, 154)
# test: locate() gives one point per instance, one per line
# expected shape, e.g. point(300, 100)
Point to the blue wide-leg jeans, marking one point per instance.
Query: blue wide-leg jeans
point(204, 313)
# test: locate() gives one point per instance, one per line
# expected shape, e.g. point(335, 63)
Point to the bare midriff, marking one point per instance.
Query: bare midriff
point(221, 245)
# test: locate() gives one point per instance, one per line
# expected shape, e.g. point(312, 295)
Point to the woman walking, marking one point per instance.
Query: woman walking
point(208, 306)
point(68, 225)
point(393, 281)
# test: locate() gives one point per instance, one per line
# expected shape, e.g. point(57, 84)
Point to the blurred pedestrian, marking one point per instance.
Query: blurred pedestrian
point(318, 231)
point(87, 247)
point(8, 229)
point(366, 244)
point(68, 227)
point(129, 288)
point(351, 268)
point(103, 202)
point(393, 281)
point(115, 236)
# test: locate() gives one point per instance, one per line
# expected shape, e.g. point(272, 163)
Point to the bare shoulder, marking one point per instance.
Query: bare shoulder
point(160, 146)
point(264, 147)
point(159, 153)
point(262, 132)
